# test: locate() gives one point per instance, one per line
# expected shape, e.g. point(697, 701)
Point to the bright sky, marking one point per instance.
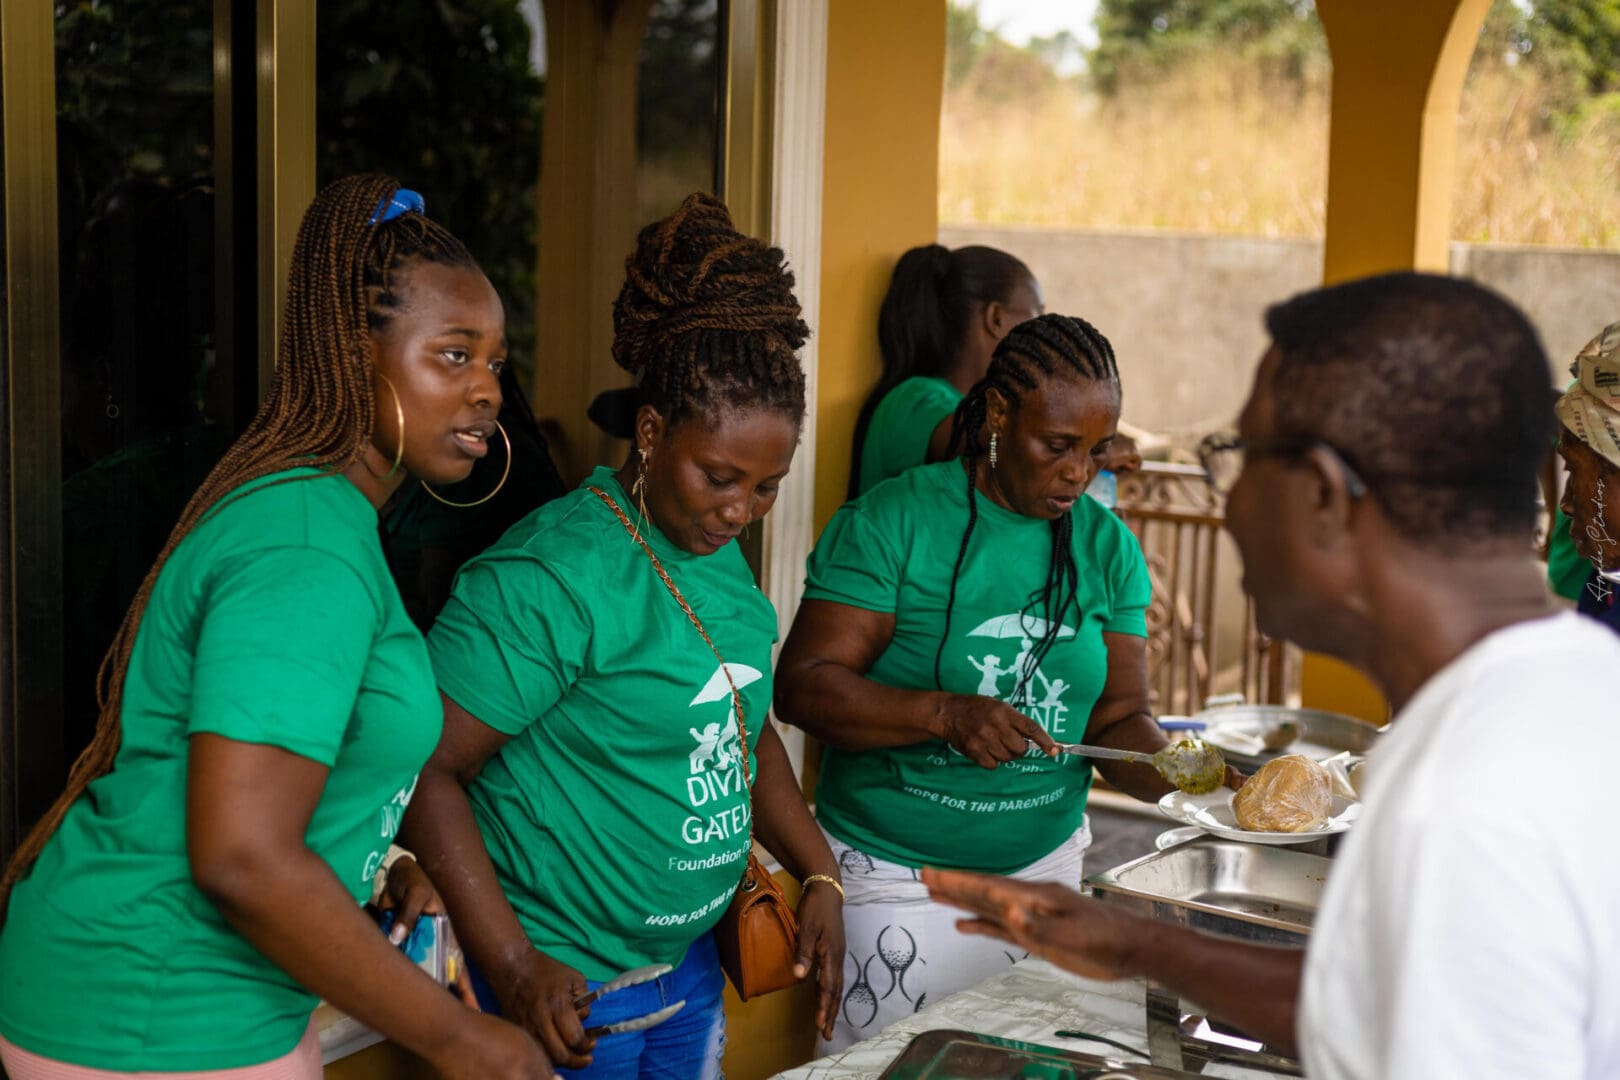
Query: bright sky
point(1019, 20)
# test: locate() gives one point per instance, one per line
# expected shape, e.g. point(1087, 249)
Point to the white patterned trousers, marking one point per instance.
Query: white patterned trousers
point(904, 951)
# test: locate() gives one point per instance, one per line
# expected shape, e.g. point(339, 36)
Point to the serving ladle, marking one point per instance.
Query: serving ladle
point(1192, 765)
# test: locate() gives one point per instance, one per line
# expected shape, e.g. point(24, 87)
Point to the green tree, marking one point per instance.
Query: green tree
point(965, 40)
point(443, 95)
point(1145, 37)
point(1572, 47)
point(1586, 35)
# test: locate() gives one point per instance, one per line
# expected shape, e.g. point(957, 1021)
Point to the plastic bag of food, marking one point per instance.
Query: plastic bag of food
point(1289, 794)
point(1344, 770)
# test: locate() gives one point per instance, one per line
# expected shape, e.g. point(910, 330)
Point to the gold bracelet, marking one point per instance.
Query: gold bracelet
point(805, 884)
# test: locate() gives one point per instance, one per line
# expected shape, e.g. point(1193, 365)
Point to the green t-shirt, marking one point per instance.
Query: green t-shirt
point(897, 436)
point(276, 623)
point(616, 815)
point(893, 550)
point(1566, 570)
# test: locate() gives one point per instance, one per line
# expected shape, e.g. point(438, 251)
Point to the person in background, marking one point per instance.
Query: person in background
point(1383, 497)
point(588, 809)
point(267, 705)
point(958, 621)
point(941, 318)
point(1589, 443)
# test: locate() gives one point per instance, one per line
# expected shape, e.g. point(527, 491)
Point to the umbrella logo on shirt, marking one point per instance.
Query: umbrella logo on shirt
point(716, 779)
point(1026, 630)
point(718, 744)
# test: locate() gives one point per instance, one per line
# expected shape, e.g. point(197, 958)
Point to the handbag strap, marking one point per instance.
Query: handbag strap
point(669, 583)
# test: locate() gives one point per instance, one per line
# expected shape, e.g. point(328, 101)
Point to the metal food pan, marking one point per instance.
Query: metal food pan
point(1246, 891)
point(1321, 734)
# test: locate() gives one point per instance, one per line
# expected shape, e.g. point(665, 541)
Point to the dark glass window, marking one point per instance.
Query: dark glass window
point(145, 409)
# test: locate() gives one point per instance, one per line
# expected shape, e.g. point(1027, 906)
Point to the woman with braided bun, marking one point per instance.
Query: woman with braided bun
point(267, 705)
point(588, 811)
point(939, 665)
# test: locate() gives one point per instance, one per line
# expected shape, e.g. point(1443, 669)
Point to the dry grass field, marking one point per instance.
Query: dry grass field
point(1218, 147)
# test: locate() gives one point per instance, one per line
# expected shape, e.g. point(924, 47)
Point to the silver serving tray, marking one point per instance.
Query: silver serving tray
point(1321, 734)
point(1245, 891)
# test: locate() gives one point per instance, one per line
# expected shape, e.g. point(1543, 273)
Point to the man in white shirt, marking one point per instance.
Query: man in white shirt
point(1384, 504)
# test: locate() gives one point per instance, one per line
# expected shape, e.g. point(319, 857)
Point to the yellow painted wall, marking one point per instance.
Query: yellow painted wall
point(885, 79)
point(1398, 68)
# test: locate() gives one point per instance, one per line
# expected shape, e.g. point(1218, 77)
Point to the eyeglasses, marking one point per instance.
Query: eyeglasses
point(1222, 457)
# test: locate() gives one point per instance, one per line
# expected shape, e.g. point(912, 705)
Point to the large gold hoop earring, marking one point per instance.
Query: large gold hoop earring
point(399, 417)
point(502, 483)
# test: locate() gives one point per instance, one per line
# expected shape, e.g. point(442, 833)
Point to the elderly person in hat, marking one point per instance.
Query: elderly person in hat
point(1590, 446)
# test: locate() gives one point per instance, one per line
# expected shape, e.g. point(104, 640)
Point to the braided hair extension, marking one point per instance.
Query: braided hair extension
point(345, 280)
point(707, 319)
point(1046, 347)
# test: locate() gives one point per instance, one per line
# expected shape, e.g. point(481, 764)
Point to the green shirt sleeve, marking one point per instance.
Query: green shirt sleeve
point(1133, 588)
point(854, 563)
point(1566, 570)
point(902, 424)
point(284, 641)
point(510, 641)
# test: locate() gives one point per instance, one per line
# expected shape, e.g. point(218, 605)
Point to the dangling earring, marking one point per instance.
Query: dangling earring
point(499, 484)
point(639, 490)
point(399, 418)
point(992, 449)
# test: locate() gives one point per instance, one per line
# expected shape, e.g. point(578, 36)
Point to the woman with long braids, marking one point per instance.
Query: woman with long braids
point(266, 707)
point(588, 809)
point(958, 621)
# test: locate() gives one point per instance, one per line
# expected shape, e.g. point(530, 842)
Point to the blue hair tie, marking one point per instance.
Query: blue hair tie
point(403, 201)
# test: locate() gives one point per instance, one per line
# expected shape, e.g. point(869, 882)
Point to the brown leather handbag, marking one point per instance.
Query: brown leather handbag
point(758, 936)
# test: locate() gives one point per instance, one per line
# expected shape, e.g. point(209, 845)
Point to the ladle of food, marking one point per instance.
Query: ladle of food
point(1192, 765)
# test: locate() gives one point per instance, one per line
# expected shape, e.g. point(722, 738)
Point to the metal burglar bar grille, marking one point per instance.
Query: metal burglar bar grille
point(1201, 634)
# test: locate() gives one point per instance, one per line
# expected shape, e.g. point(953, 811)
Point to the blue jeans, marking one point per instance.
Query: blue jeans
point(687, 1046)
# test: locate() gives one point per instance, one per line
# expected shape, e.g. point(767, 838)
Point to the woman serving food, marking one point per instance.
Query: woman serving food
point(941, 665)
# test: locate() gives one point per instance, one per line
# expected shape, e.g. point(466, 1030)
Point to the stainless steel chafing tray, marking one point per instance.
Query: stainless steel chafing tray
point(1246, 891)
point(1321, 734)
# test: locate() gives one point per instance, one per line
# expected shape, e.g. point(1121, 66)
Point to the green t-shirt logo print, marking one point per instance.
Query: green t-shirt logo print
point(1030, 691)
point(1027, 630)
point(717, 743)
